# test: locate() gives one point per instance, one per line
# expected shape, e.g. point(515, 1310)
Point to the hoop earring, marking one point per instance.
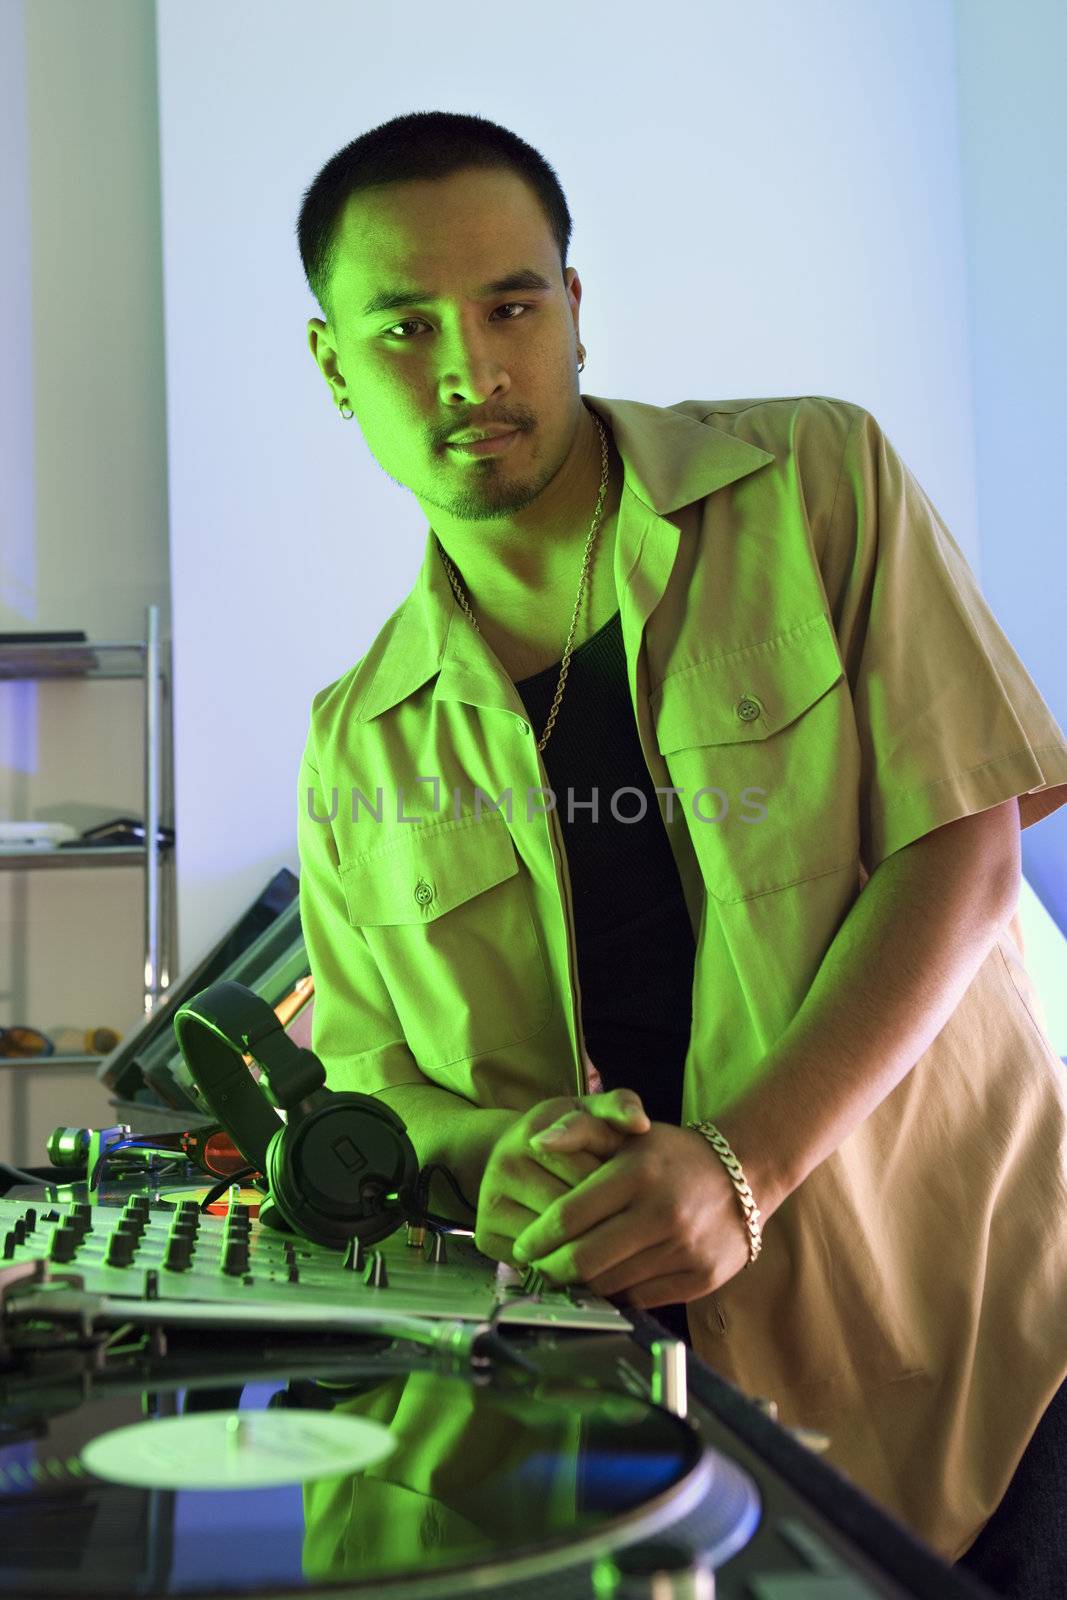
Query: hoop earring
point(581, 353)
point(346, 411)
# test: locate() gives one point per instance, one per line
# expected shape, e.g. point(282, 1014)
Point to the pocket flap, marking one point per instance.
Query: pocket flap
point(417, 879)
point(749, 693)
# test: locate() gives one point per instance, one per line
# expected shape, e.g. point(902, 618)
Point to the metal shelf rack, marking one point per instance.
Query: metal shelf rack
point(144, 659)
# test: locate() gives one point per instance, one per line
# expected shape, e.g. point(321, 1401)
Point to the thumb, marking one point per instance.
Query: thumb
point(621, 1107)
point(576, 1131)
point(600, 1125)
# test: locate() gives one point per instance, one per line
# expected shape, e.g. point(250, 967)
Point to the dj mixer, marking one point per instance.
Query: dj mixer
point(195, 1403)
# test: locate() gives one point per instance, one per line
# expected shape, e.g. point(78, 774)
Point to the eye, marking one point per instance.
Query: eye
point(510, 305)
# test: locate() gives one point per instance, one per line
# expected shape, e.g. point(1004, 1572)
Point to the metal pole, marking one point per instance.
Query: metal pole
point(151, 809)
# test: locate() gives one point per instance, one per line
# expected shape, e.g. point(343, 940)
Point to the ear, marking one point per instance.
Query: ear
point(324, 354)
point(574, 293)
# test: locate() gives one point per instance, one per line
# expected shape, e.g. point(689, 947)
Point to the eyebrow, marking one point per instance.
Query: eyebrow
point(398, 299)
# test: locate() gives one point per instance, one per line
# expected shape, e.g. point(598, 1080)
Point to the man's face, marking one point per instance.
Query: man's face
point(419, 373)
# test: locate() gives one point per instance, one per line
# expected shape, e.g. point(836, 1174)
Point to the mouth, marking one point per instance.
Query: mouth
point(494, 446)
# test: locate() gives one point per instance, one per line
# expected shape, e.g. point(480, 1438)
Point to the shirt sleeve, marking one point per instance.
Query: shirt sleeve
point(355, 1031)
point(949, 721)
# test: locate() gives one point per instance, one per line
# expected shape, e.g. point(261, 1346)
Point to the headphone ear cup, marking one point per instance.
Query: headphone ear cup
point(273, 1171)
point(330, 1173)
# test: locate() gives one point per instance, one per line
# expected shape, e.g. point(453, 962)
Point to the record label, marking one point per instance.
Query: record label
point(237, 1449)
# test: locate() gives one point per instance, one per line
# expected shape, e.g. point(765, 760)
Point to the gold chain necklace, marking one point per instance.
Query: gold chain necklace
point(461, 597)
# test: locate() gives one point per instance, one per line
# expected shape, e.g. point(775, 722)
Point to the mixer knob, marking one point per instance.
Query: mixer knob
point(65, 1241)
point(235, 1257)
point(178, 1253)
point(120, 1250)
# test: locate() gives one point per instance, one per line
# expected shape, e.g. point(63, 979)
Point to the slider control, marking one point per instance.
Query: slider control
point(376, 1276)
point(437, 1253)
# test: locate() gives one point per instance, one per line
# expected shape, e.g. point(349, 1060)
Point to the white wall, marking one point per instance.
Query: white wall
point(83, 530)
point(766, 201)
point(1014, 144)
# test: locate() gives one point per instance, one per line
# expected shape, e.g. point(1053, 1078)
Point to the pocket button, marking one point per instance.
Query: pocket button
point(423, 893)
point(748, 709)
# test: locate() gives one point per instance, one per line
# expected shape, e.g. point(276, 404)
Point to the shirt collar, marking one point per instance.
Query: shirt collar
point(670, 459)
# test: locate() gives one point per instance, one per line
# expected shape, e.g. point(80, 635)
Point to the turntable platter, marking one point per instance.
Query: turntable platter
point(466, 1486)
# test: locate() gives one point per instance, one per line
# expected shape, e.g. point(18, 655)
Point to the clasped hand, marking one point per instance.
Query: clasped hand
point(601, 1195)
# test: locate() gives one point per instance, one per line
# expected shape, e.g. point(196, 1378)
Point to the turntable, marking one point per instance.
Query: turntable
point(318, 1386)
point(207, 1432)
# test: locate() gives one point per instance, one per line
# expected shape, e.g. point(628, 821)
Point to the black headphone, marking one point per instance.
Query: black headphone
point(342, 1166)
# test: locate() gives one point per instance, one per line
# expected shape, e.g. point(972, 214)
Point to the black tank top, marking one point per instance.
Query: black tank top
point(635, 941)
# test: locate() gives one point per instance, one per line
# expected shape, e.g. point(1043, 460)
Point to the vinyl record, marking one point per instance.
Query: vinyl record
point(460, 1486)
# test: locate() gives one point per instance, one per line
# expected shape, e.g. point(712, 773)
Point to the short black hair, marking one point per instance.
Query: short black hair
point(422, 144)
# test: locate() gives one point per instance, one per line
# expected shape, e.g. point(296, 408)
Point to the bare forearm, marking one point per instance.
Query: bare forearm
point(445, 1128)
point(895, 972)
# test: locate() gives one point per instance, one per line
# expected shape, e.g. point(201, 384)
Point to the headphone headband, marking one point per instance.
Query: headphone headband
point(215, 1031)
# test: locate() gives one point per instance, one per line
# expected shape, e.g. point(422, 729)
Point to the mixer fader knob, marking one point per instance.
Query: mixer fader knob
point(376, 1276)
point(437, 1253)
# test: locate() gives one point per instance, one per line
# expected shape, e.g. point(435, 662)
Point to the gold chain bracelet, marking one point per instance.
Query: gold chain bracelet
point(740, 1183)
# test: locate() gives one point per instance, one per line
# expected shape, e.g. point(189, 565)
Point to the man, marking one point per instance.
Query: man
point(779, 645)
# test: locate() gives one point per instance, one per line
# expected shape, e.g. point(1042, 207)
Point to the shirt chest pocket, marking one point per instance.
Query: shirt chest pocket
point(763, 745)
point(447, 916)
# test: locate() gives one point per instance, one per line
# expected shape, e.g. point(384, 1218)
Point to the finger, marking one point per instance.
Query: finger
point(495, 1233)
point(681, 1286)
point(624, 1107)
point(578, 1130)
point(609, 1190)
point(517, 1193)
point(538, 1177)
point(604, 1246)
point(611, 1244)
point(586, 1125)
point(640, 1267)
point(570, 1167)
point(524, 1183)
